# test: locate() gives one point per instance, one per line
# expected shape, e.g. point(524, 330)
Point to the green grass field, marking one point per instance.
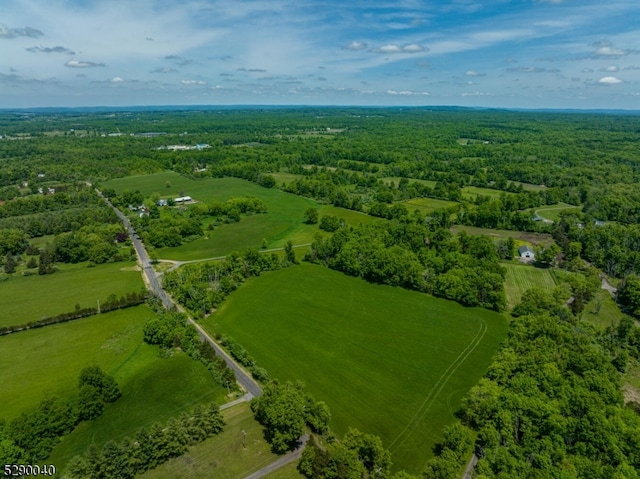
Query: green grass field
point(472, 192)
point(602, 311)
point(521, 277)
point(284, 220)
point(286, 178)
point(153, 390)
point(396, 180)
point(388, 361)
point(29, 298)
point(44, 362)
point(289, 471)
point(427, 205)
point(552, 212)
point(222, 456)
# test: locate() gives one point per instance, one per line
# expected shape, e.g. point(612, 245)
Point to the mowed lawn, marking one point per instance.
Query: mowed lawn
point(284, 220)
point(387, 361)
point(29, 298)
point(521, 277)
point(222, 456)
point(552, 212)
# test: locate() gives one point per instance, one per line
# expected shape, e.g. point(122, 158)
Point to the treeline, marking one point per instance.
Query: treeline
point(463, 268)
point(613, 248)
point(201, 287)
point(170, 331)
point(148, 448)
point(41, 203)
point(244, 358)
point(32, 436)
point(111, 304)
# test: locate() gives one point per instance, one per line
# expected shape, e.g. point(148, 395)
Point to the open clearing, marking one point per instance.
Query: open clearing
point(519, 236)
point(427, 205)
point(284, 220)
point(29, 298)
point(472, 192)
point(396, 180)
point(521, 277)
point(388, 361)
point(222, 456)
point(552, 212)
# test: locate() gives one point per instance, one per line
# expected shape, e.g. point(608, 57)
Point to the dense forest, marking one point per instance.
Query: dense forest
point(550, 404)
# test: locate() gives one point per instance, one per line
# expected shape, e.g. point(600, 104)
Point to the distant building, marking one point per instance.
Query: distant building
point(183, 199)
point(598, 223)
point(161, 202)
point(526, 252)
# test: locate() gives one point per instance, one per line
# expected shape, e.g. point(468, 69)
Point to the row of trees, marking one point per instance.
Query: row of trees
point(203, 286)
point(148, 448)
point(170, 331)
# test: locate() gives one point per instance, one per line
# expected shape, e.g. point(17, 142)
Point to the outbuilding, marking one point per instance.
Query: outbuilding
point(526, 252)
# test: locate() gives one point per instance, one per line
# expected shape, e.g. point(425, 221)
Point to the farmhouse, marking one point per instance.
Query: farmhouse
point(526, 252)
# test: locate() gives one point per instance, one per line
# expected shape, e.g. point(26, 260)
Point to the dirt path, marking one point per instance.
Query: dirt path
point(177, 263)
point(608, 286)
point(470, 467)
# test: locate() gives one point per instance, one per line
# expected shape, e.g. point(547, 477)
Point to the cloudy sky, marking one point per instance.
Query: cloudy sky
point(500, 53)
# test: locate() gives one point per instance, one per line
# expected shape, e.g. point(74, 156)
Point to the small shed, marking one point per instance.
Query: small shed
point(526, 252)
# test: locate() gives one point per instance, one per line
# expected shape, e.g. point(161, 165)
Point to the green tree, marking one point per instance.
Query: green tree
point(311, 215)
point(10, 264)
point(289, 254)
point(90, 404)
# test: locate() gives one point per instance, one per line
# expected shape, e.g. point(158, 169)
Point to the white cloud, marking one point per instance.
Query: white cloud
point(393, 48)
point(477, 93)
point(83, 64)
point(610, 69)
point(609, 81)
point(407, 93)
point(609, 51)
point(116, 80)
point(355, 46)
point(193, 82)
point(473, 73)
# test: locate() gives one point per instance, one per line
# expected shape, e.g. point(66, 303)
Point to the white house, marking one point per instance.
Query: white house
point(183, 199)
point(526, 253)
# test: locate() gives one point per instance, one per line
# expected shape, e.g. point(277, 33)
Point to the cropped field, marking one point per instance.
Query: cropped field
point(222, 456)
point(388, 361)
point(29, 298)
point(521, 277)
point(45, 362)
point(427, 205)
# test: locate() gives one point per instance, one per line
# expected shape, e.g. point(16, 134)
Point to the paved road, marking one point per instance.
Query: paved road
point(282, 461)
point(244, 378)
point(470, 467)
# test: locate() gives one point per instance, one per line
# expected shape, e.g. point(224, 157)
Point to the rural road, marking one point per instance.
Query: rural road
point(282, 461)
point(470, 467)
point(242, 377)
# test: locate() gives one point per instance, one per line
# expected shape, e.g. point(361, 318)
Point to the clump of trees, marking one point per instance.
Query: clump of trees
point(170, 331)
point(148, 448)
point(408, 254)
point(203, 286)
point(284, 410)
point(32, 435)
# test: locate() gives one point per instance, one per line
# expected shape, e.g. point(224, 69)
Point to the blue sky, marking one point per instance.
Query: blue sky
point(497, 53)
